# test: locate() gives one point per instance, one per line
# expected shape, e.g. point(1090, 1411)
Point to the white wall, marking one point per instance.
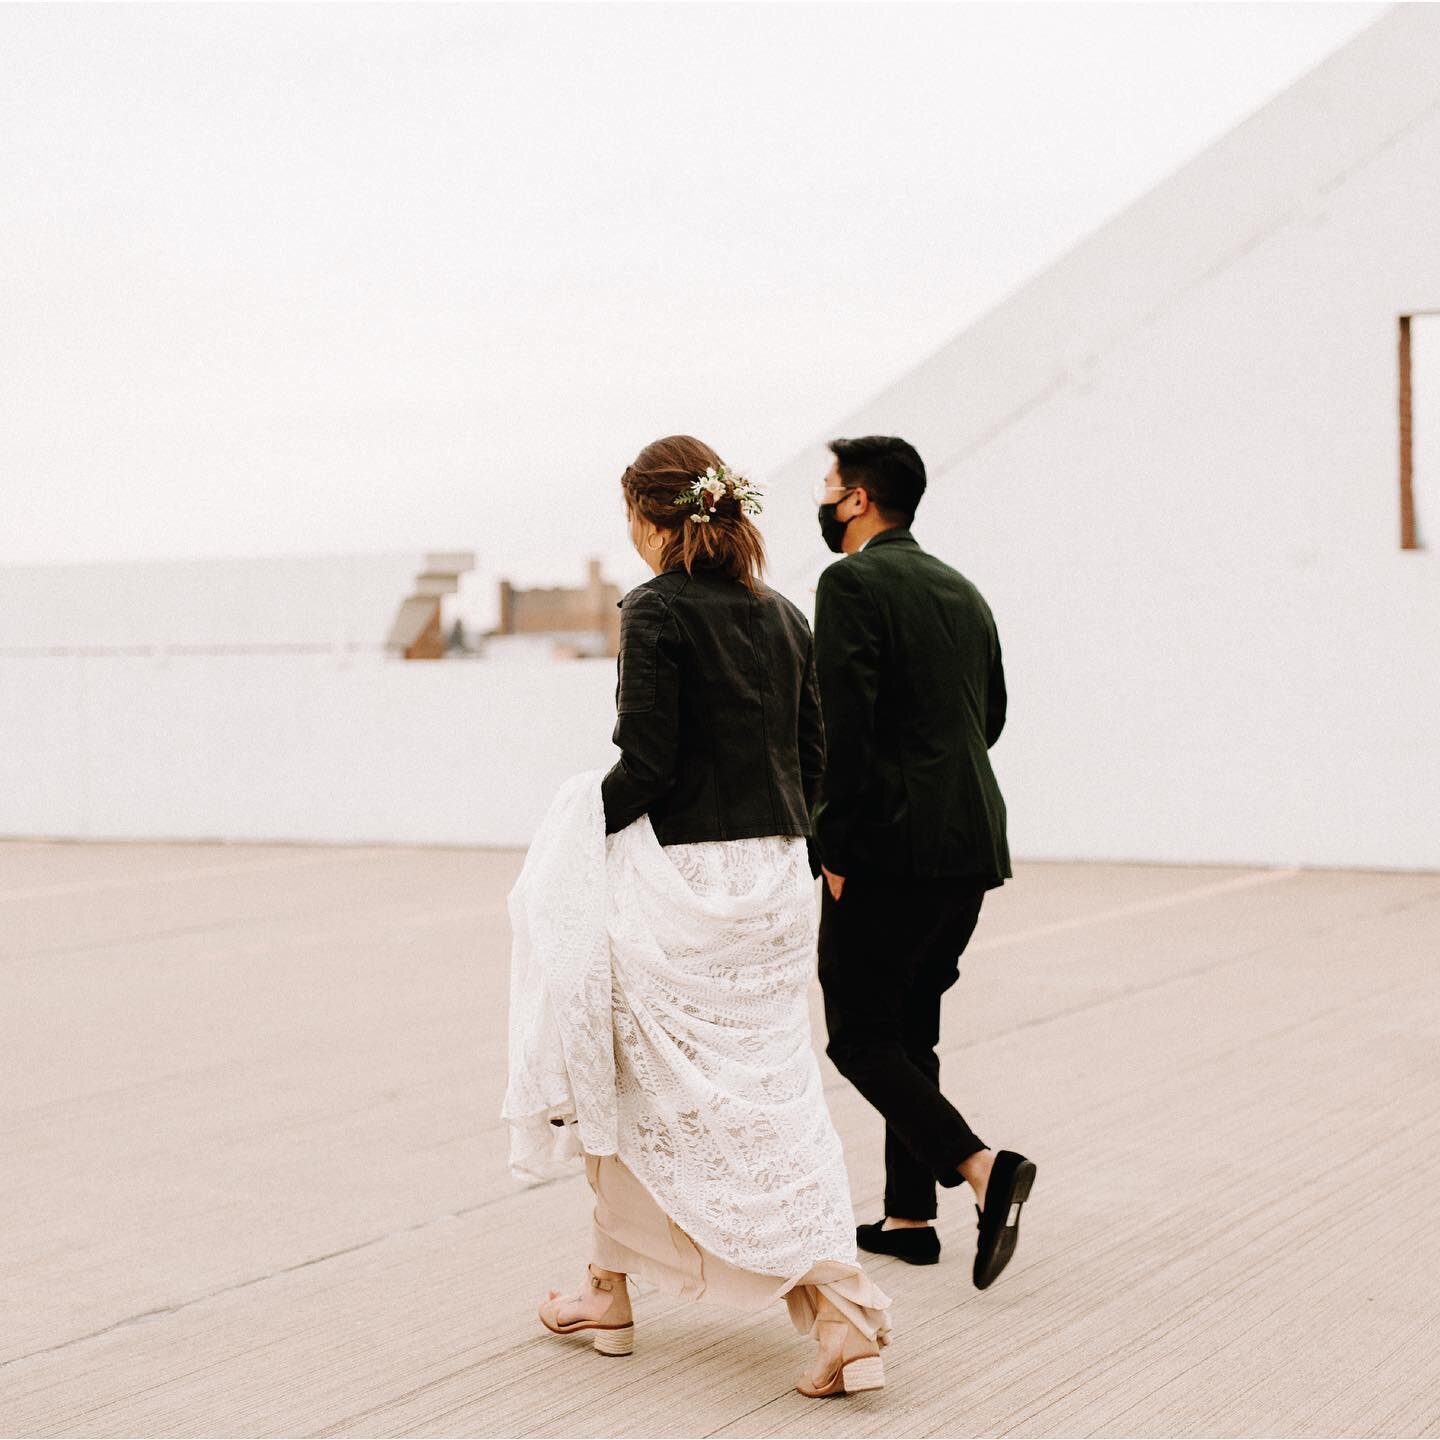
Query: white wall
point(1184, 510)
point(1219, 651)
point(312, 748)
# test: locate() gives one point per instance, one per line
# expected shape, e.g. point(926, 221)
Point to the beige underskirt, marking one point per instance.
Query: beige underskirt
point(634, 1236)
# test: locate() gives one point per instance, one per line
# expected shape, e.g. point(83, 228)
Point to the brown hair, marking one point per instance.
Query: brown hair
point(729, 544)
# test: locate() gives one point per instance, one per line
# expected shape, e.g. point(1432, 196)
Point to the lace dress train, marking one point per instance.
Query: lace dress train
point(720, 1093)
point(659, 1012)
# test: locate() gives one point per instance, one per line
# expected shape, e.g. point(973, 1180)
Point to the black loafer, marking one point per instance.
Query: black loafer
point(1008, 1189)
point(908, 1243)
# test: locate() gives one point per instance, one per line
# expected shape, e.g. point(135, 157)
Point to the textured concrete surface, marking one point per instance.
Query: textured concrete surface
point(252, 1180)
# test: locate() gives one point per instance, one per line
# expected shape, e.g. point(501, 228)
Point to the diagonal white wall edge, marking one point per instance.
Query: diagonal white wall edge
point(1170, 462)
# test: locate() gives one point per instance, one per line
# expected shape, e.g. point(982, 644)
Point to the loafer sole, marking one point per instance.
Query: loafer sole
point(991, 1260)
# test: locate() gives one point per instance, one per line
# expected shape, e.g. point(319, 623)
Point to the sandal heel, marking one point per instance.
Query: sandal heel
point(616, 1342)
point(867, 1373)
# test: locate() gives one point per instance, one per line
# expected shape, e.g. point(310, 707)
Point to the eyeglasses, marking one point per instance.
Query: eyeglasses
point(828, 494)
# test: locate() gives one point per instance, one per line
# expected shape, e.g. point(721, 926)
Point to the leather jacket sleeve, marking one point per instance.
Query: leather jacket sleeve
point(847, 665)
point(647, 723)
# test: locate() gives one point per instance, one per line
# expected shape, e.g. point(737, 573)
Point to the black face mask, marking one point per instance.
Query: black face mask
point(832, 529)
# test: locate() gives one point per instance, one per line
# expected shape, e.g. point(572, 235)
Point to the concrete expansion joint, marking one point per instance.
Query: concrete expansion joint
point(162, 1312)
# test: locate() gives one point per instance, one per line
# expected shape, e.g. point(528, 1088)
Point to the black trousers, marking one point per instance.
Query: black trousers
point(889, 949)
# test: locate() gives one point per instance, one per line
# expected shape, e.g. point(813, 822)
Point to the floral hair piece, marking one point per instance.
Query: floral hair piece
point(709, 489)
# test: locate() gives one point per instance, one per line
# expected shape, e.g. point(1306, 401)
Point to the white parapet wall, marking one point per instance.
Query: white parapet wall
point(365, 749)
point(335, 748)
point(294, 747)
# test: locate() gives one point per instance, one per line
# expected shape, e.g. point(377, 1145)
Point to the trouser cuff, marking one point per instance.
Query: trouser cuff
point(908, 1209)
point(951, 1176)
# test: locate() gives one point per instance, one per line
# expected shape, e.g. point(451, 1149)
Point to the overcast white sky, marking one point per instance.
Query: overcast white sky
point(323, 278)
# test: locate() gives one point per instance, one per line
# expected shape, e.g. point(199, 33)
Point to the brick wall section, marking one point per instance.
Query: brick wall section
point(541, 611)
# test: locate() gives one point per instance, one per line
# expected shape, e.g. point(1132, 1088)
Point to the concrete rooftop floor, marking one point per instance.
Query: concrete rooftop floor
point(252, 1181)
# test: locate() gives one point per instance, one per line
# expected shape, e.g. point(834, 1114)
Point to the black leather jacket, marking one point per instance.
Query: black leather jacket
point(718, 717)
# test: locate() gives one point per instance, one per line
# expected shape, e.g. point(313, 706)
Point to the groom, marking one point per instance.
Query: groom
point(910, 831)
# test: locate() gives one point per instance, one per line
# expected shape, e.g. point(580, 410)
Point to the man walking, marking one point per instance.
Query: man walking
point(910, 832)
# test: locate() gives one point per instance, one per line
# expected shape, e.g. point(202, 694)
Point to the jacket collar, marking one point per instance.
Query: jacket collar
point(885, 537)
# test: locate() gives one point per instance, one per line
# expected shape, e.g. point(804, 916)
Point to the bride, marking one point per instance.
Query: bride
point(664, 944)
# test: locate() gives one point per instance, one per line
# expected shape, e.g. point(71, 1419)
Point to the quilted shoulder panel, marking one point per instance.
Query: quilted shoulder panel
point(643, 617)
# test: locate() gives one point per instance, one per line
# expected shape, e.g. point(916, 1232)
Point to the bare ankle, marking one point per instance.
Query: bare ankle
point(975, 1170)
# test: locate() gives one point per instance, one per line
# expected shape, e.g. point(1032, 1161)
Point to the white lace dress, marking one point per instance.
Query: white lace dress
point(659, 1012)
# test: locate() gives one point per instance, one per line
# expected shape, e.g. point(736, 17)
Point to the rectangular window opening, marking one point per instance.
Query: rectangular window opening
point(1420, 430)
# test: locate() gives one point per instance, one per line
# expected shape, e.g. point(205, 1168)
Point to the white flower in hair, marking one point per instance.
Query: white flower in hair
point(749, 495)
point(712, 485)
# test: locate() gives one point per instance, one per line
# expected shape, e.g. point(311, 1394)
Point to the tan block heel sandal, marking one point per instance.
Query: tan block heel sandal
point(614, 1330)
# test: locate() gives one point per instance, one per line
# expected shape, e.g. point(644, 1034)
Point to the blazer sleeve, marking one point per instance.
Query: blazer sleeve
point(848, 654)
point(647, 705)
point(995, 696)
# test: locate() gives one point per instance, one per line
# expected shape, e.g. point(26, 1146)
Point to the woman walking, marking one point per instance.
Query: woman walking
point(665, 941)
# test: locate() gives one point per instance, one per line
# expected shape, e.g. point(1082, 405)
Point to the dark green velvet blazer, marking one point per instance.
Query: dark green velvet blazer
point(912, 691)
